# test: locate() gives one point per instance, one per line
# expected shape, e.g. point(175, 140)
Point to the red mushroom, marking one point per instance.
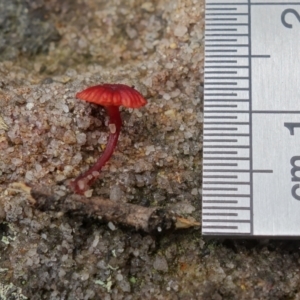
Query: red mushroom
point(111, 96)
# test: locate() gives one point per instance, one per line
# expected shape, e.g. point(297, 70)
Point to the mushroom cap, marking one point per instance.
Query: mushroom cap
point(112, 95)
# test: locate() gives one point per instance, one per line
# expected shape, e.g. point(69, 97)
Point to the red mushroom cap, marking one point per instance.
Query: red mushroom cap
point(112, 95)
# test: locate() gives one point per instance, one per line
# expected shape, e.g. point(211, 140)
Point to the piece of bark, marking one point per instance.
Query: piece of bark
point(148, 219)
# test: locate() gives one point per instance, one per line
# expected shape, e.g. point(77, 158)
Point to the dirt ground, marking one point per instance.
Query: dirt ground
point(49, 51)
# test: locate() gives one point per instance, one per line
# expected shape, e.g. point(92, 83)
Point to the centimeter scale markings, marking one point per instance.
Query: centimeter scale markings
point(251, 116)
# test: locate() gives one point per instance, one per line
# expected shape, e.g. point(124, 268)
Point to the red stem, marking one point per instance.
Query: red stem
point(82, 183)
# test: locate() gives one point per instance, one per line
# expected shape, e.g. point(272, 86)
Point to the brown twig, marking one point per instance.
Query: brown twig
point(148, 219)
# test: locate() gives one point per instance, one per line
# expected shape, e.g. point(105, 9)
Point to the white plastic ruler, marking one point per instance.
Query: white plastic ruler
point(251, 139)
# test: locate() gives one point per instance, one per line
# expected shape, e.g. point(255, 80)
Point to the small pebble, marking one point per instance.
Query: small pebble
point(112, 128)
point(111, 226)
point(115, 193)
point(29, 106)
point(119, 277)
point(160, 264)
point(180, 30)
point(88, 193)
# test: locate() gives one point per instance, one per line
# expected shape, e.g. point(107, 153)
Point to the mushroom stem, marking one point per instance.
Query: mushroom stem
point(82, 183)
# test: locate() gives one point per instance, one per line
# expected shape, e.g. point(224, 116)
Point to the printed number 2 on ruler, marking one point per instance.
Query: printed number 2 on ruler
point(251, 140)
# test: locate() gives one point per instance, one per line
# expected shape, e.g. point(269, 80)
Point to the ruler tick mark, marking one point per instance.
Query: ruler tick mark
point(220, 117)
point(221, 61)
point(221, 83)
point(226, 89)
point(222, 50)
point(220, 19)
point(222, 8)
point(262, 171)
point(226, 182)
point(220, 94)
point(232, 106)
point(225, 171)
point(220, 141)
point(224, 3)
point(227, 123)
point(218, 146)
point(225, 29)
point(229, 56)
point(226, 45)
point(221, 201)
point(220, 227)
point(226, 134)
point(227, 207)
point(226, 34)
point(227, 158)
point(220, 40)
point(260, 56)
point(227, 195)
point(220, 164)
point(220, 189)
point(221, 72)
point(226, 24)
point(220, 152)
point(225, 100)
point(220, 176)
point(225, 221)
point(227, 111)
point(226, 14)
point(220, 128)
point(221, 214)
point(226, 67)
point(231, 77)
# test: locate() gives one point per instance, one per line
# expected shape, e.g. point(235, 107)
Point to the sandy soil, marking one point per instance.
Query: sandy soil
point(48, 137)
